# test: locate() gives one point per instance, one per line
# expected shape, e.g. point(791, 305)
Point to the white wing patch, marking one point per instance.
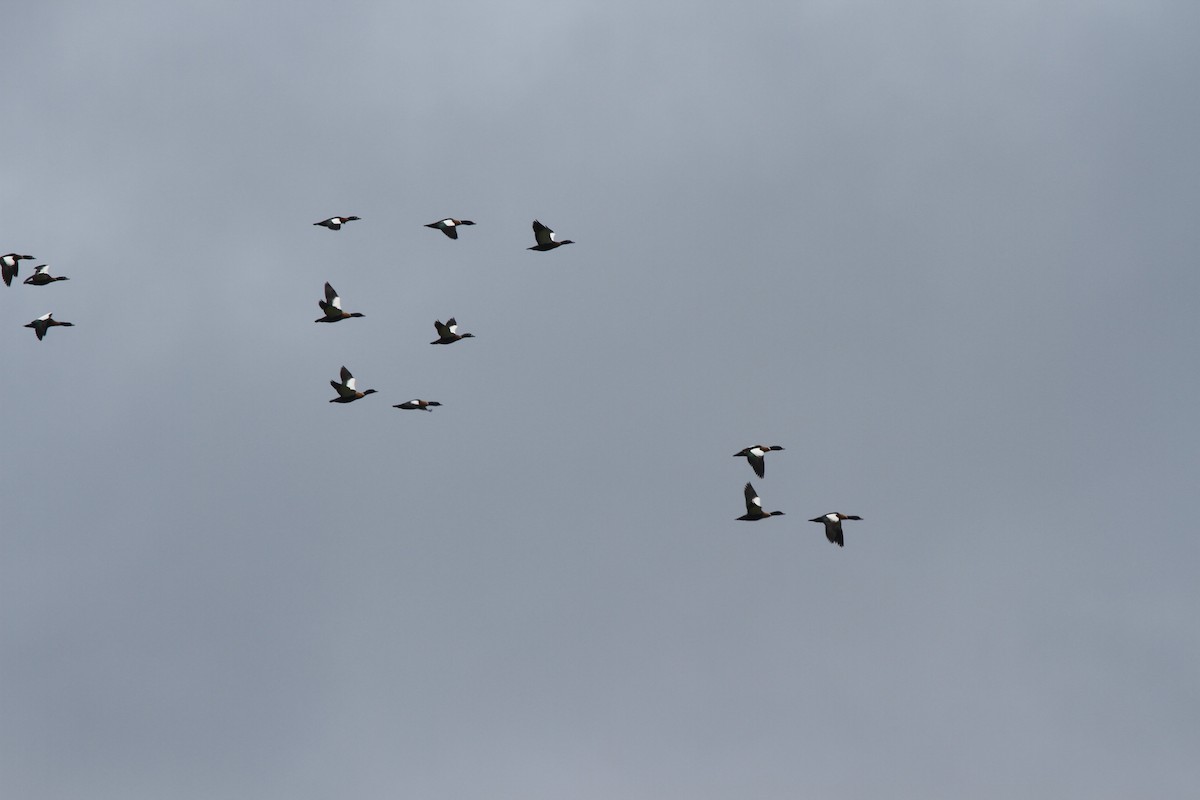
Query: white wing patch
point(350, 384)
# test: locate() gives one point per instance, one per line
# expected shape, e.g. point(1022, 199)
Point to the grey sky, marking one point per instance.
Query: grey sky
point(943, 253)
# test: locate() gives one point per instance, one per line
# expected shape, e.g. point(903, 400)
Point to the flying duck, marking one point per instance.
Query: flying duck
point(754, 509)
point(754, 456)
point(545, 238)
point(449, 226)
point(335, 223)
point(41, 277)
point(347, 393)
point(418, 405)
point(44, 323)
point(833, 526)
point(9, 262)
point(332, 306)
point(448, 333)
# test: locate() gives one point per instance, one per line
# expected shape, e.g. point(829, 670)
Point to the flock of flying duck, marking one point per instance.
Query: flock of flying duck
point(756, 457)
point(347, 388)
point(10, 264)
point(348, 391)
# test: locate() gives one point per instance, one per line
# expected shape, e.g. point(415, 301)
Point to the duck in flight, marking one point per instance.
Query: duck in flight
point(335, 223)
point(754, 509)
point(449, 226)
point(448, 332)
point(347, 390)
point(754, 456)
point(41, 277)
point(833, 526)
point(418, 405)
point(44, 323)
point(9, 265)
point(545, 238)
point(332, 306)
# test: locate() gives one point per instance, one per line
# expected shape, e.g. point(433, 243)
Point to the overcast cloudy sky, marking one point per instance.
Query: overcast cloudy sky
point(944, 253)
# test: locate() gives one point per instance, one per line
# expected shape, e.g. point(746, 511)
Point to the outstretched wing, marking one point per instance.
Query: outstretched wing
point(753, 503)
point(758, 463)
point(543, 234)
